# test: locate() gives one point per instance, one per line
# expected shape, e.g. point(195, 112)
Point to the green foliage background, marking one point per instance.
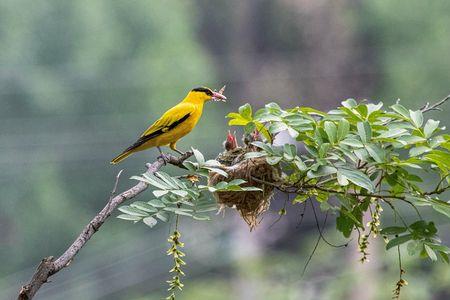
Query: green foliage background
point(80, 79)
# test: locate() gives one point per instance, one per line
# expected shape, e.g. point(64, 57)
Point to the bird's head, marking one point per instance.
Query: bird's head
point(203, 94)
point(231, 142)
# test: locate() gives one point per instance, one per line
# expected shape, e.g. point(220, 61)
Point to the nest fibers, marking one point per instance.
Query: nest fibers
point(250, 204)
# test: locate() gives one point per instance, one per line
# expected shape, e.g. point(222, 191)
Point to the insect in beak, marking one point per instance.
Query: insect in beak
point(218, 96)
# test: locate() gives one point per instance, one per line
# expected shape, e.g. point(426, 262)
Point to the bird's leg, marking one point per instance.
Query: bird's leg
point(162, 155)
point(173, 146)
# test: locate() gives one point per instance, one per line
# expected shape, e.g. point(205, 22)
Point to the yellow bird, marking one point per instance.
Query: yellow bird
point(174, 123)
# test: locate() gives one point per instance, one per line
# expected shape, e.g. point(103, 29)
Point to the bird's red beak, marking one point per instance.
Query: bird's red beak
point(218, 97)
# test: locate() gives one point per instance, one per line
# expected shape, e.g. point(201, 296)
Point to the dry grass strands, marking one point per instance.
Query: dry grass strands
point(251, 204)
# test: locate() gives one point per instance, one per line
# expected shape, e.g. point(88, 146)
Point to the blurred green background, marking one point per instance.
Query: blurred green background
point(80, 79)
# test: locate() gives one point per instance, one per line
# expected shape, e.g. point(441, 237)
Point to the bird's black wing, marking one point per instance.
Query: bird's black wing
point(145, 138)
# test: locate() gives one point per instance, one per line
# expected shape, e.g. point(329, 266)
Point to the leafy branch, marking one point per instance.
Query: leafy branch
point(50, 266)
point(353, 160)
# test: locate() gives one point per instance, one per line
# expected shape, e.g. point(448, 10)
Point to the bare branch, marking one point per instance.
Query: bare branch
point(435, 106)
point(50, 266)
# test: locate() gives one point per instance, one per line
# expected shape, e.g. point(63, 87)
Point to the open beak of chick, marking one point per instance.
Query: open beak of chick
point(218, 96)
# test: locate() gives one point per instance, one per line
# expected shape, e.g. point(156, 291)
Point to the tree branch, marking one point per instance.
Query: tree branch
point(50, 266)
point(434, 106)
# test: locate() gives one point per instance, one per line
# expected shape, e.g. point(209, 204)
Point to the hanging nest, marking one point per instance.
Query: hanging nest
point(250, 204)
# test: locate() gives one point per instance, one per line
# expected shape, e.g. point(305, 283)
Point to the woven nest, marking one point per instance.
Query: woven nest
point(252, 204)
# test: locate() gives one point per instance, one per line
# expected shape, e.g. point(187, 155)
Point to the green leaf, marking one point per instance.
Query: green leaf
point(438, 247)
point(237, 121)
point(254, 155)
point(300, 164)
point(178, 209)
point(323, 150)
point(163, 216)
point(361, 154)
point(144, 206)
point(273, 160)
point(430, 127)
point(352, 142)
point(392, 230)
point(411, 139)
point(218, 171)
point(376, 153)
point(236, 182)
point(349, 103)
point(431, 254)
point(416, 117)
point(290, 151)
point(221, 185)
point(250, 127)
point(358, 178)
point(189, 165)
point(181, 193)
point(150, 221)
point(374, 108)
point(156, 182)
point(351, 115)
point(183, 213)
point(441, 206)
point(398, 241)
point(401, 110)
point(133, 211)
point(416, 151)
point(263, 146)
point(159, 193)
point(208, 208)
point(364, 131)
point(444, 257)
point(343, 129)
point(413, 247)
point(300, 198)
point(393, 133)
point(362, 109)
point(342, 180)
point(440, 158)
point(331, 130)
point(129, 217)
point(198, 156)
point(321, 171)
point(156, 203)
point(277, 127)
point(173, 182)
point(344, 223)
point(246, 111)
point(201, 218)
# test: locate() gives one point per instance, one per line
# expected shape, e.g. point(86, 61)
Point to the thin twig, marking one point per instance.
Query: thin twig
point(314, 249)
point(435, 106)
point(396, 213)
point(282, 212)
point(302, 215)
point(50, 266)
point(114, 190)
point(320, 230)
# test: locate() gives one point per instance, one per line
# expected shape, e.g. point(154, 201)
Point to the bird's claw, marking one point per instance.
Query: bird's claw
point(164, 157)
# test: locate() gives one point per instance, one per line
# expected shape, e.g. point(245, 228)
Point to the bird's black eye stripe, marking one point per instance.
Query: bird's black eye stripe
point(203, 90)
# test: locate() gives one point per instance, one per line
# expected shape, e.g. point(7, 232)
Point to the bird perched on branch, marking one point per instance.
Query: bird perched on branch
point(174, 123)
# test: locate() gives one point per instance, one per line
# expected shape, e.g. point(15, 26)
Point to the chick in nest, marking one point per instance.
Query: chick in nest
point(249, 138)
point(251, 205)
point(232, 150)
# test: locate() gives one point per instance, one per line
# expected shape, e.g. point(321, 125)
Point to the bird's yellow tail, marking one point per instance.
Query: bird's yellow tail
point(121, 157)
